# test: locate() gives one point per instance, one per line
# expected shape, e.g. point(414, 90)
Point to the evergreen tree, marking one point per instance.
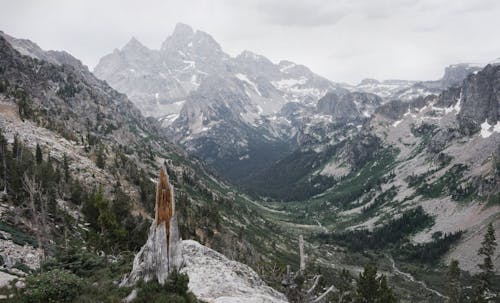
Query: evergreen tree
point(3, 151)
point(15, 146)
point(367, 289)
point(100, 160)
point(38, 154)
point(345, 287)
point(454, 285)
point(485, 277)
point(373, 289)
point(385, 293)
point(66, 168)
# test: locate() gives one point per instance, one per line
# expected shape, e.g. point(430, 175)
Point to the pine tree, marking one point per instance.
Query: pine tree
point(101, 160)
point(3, 151)
point(15, 146)
point(38, 154)
point(367, 289)
point(487, 251)
point(66, 168)
point(385, 293)
point(454, 285)
point(373, 289)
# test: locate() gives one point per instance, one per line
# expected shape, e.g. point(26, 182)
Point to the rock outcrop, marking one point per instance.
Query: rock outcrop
point(216, 279)
point(479, 101)
point(162, 253)
point(456, 73)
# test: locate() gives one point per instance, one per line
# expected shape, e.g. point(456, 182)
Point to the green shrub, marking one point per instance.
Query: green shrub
point(175, 290)
point(52, 286)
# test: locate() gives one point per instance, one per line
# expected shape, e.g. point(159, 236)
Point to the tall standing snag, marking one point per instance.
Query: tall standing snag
point(161, 254)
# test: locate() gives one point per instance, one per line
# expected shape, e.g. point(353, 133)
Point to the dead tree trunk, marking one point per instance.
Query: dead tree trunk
point(302, 255)
point(32, 188)
point(4, 164)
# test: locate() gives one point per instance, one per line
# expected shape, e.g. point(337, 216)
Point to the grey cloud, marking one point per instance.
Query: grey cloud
point(344, 40)
point(300, 13)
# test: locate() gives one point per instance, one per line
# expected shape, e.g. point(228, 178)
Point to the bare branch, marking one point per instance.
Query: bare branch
point(332, 288)
point(316, 280)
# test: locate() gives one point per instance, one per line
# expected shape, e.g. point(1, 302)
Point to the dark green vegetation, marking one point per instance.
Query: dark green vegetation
point(288, 179)
point(369, 176)
point(237, 164)
point(394, 237)
point(373, 288)
point(175, 290)
point(35, 182)
point(79, 276)
point(430, 252)
point(126, 149)
point(482, 287)
point(448, 184)
point(294, 177)
point(338, 286)
point(395, 231)
point(116, 196)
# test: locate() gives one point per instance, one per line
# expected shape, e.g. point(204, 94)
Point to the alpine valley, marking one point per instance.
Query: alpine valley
point(288, 187)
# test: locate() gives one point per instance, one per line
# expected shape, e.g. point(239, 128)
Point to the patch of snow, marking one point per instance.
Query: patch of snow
point(245, 79)
point(247, 156)
point(189, 64)
point(487, 129)
point(259, 108)
point(495, 61)
point(396, 123)
point(194, 80)
point(288, 83)
point(169, 119)
point(285, 68)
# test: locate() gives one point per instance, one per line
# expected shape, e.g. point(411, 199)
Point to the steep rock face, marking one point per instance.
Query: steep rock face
point(219, 124)
point(449, 97)
point(480, 100)
point(162, 253)
point(158, 80)
point(30, 49)
point(223, 109)
point(70, 97)
point(341, 108)
point(348, 107)
point(455, 74)
point(396, 109)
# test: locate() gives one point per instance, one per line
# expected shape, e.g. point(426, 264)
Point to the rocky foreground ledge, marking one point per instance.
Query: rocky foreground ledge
point(216, 279)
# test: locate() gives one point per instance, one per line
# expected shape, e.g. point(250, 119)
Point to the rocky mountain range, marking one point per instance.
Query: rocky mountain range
point(175, 84)
point(316, 133)
point(76, 123)
point(401, 173)
point(258, 112)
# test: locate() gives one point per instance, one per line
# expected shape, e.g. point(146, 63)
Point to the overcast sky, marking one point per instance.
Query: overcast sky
point(343, 40)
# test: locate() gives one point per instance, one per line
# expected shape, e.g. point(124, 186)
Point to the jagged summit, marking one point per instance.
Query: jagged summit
point(182, 29)
point(184, 38)
point(369, 81)
point(246, 54)
point(133, 45)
